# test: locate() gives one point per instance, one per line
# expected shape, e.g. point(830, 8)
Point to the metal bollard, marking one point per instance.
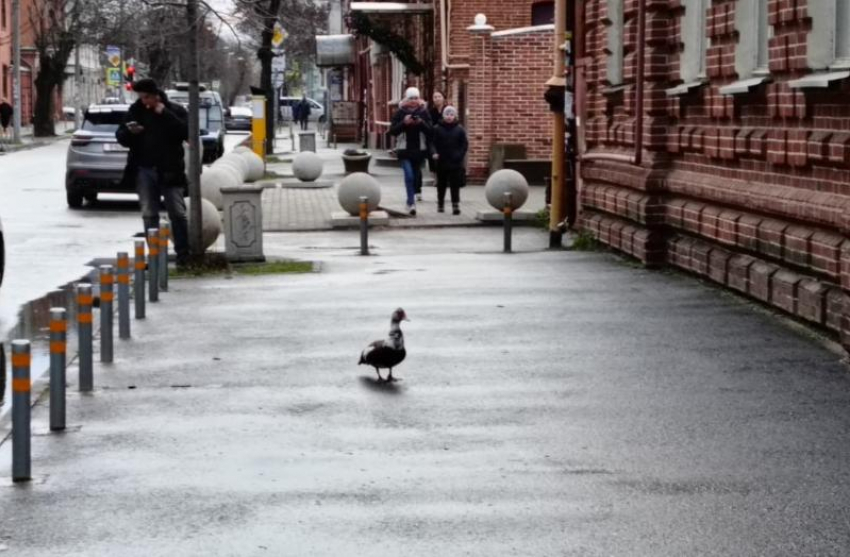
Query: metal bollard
point(364, 225)
point(21, 426)
point(509, 221)
point(58, 349)
point(107, 296)
point(153, 264)
point(84, 335)
point(164, 235)
point(139, 280)
point(336, 145)
point(123, 295)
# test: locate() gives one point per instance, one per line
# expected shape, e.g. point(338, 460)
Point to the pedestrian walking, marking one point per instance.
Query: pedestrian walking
point(304, 110)
point(450, 147)
point(154, 131)
point(6, 113)
point(438, 104)
point(435, 111)
point(412, 126)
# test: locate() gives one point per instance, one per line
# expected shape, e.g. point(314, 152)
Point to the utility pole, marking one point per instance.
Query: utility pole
point(557, 213)
point(78, 70)
point(16, 74)
point(196, 238)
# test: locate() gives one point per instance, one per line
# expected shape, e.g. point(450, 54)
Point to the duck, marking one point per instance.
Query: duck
point(387, 353)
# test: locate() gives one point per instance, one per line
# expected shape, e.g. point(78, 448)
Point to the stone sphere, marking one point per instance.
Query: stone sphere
point(256, 165)
point(242, 149)
point(210, 221)
point(308, 166)
point(236, 161)
point(212, 180)
point(506, 181)
point(233, 171)
point(353, 187)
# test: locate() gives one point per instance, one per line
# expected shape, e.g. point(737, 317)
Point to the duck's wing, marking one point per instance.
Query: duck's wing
point(367, 354)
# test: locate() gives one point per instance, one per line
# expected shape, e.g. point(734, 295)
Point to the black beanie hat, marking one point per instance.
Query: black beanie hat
point(146, 85)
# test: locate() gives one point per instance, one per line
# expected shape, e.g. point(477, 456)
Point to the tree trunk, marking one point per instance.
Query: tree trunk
point(265, 55)
point(45, 85)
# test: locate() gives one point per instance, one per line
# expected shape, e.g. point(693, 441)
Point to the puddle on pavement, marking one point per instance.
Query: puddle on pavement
point(32, 324)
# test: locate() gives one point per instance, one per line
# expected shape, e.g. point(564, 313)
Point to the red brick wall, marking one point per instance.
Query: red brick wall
point(501, 14)
point(751, 190)
point(507, 81)
point(523, 64)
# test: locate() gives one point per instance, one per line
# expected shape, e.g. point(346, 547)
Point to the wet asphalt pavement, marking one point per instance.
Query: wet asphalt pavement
point(552, 403)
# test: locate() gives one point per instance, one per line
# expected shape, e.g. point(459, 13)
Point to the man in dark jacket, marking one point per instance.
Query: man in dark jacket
point(6, 113)
point(154, 132)
point(450, 147)
point(304, 111)
point(411, 125)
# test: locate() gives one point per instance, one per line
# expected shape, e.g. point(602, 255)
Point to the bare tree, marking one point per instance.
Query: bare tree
point(302, 19)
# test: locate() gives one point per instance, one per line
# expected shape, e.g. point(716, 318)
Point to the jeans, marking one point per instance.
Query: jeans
point(305, 124)
point(412, 178)
point(450, 178)
point(150, 185)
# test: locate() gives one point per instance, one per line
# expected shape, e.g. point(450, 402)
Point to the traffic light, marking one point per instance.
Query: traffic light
point(129, 73)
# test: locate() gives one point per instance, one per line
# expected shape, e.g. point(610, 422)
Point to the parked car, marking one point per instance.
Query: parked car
point(95, 162)
point(238, 118)
point(211, 113)
point(317, 110)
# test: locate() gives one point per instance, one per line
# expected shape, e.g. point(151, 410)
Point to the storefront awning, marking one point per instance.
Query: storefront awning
point(391, 8)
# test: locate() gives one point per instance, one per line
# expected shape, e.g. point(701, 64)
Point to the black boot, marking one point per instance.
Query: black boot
point(455, 209)
point(441, 208)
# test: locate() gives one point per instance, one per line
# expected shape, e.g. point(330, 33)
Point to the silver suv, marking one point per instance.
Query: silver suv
point(95, 162)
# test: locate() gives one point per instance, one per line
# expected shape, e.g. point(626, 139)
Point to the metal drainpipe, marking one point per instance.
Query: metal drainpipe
point(637, 157)
point(641, 70)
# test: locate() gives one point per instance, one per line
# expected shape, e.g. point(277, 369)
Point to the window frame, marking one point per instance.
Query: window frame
point(615, 46)
point(752, 53)
point(537, 6)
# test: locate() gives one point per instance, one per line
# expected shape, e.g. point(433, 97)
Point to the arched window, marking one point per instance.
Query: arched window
point(543, 13)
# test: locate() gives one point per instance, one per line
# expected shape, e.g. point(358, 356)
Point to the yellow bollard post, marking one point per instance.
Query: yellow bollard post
point(258, 125)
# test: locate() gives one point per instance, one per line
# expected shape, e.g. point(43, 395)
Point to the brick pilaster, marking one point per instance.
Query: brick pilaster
point(480, 117)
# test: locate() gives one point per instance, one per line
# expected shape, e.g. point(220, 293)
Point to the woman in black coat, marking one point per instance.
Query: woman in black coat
point(450, 147)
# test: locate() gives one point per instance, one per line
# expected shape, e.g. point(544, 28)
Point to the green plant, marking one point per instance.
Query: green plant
point(541, 219)
point(585, 241)
point(363, 26)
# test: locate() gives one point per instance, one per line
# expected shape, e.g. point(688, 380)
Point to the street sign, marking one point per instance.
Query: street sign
point(113, 55)
point(277, 80)
point(278, 35)
point(113, 77)
point(279, 63)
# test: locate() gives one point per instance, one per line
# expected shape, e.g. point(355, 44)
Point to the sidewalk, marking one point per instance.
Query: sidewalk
point(28, 141)
point(552, 403)
point(290, 209)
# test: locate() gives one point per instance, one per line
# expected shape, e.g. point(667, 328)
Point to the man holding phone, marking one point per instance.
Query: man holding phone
point(154, 132)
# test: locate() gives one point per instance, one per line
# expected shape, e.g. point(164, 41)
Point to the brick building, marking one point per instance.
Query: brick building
point(28, 58)
point(716, 139)
point(494, 72)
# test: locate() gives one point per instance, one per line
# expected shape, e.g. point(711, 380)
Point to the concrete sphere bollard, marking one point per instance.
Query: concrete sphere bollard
point(232, 171)
point(210, 221)
point(256, 165)
point(242, 149)
point(308, 166)
point(355, 186)
point(506, 181)
point(237, 162)
point(212, 180)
